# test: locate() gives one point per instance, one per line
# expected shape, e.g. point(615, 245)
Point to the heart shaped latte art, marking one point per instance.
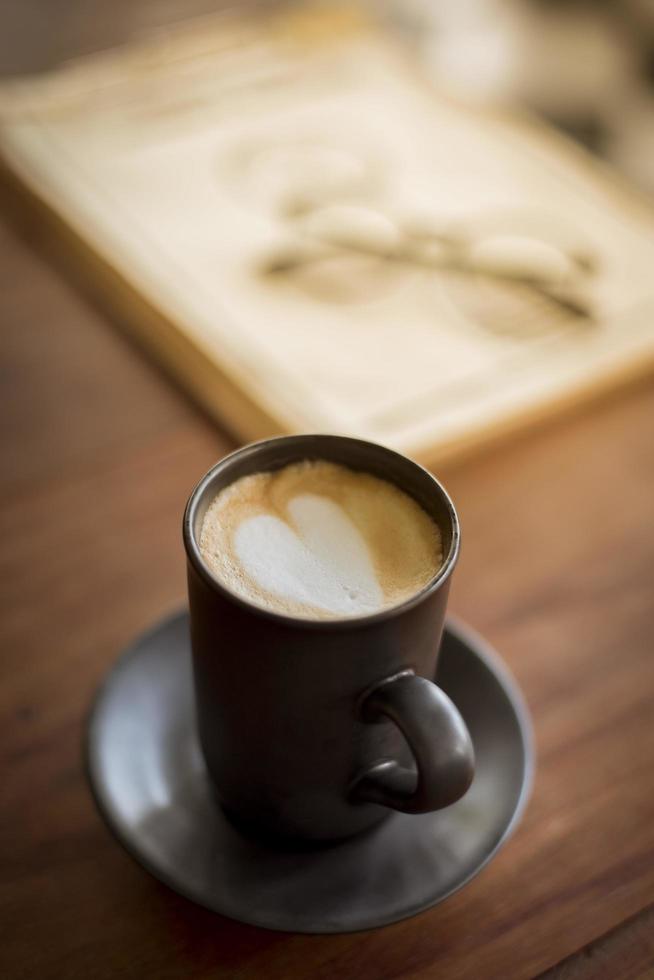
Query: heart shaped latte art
point(318, 559)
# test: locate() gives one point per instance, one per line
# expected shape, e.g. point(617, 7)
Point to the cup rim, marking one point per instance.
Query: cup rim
point(331, 624)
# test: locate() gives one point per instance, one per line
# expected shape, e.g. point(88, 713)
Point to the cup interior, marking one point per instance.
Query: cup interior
point(356, 454)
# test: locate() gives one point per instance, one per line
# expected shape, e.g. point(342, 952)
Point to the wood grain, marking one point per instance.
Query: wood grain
point(626, 953)
point(100, 453)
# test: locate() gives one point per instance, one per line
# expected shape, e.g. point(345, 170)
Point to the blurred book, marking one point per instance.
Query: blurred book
point(310, 238)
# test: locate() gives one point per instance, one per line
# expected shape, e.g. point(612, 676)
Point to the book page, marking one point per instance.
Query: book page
point(357, 253)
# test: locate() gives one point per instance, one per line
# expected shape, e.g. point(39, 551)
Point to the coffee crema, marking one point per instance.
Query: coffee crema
point(317, 540)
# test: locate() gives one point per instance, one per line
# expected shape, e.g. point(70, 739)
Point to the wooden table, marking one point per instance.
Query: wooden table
point(99, 452)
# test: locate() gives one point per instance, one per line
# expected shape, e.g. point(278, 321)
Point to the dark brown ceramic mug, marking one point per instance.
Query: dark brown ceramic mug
point(317, 729)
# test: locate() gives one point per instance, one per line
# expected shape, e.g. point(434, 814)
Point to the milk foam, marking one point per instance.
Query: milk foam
point(324, 563)
point(320, 541)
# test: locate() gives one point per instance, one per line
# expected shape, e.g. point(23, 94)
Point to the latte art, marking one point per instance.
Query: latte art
point(319, 541)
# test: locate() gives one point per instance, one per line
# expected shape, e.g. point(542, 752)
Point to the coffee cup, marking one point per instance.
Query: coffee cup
point(316, 727)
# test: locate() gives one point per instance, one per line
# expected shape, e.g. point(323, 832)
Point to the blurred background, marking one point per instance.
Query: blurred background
point(587, 66)
point(328, 249)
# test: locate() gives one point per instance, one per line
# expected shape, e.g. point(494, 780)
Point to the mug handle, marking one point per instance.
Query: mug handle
point(437, 736)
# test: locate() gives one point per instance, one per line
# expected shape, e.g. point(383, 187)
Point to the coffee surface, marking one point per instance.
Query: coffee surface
point(320, 541)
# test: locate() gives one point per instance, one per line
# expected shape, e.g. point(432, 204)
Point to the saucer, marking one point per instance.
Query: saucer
point(149, 781)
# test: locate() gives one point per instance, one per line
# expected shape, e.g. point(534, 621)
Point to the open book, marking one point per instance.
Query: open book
point(311, 239)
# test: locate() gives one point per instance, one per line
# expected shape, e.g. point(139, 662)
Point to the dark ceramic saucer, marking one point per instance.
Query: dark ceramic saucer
point(150, 784)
